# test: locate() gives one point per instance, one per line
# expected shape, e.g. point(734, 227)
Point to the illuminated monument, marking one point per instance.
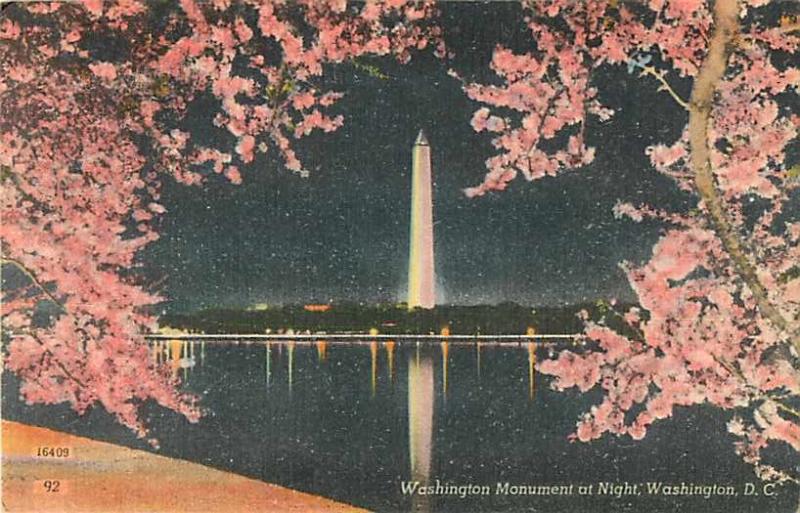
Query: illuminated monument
point(421, 276)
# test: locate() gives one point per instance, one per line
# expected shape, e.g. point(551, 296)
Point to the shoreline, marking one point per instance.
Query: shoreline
point(49, 471)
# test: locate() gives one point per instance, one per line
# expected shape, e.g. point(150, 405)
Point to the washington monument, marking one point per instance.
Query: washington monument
point(421, 274)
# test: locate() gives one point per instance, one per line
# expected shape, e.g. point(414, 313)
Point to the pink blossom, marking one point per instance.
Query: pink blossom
point(479, 119)
point(664, 156)
point(148, 109)
point(21, 73)
point(95, 7)
point(9, 30)
point(104, 70)
point(156, 208)
point(232, 174)
point(243, 32)
point(303, 101)
point(628, 210)
point(680, 8)
point(245, 148)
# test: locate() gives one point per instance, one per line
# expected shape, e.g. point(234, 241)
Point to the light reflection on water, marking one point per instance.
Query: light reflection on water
point(179, 354)
point(420, 425)
point(353, 420)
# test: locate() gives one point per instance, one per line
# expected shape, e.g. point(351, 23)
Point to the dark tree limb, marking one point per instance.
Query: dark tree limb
point(726, 31)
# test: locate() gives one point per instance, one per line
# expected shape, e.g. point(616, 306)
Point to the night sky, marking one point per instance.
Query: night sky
point(342, 233)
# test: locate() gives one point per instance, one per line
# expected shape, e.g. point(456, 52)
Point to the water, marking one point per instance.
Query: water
point(355, 422)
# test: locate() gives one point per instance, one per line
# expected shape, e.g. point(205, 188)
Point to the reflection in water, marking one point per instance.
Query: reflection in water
point(478, 358)
point(187, 361)
point(290, 347)
point(445, 354)
point(531, 368)
point(389, 345)
point(373, 350)
point(268, 358)
point(327, 437)
point(181, 355)
point(420, 425)
point(175, 347)
point(322, 350)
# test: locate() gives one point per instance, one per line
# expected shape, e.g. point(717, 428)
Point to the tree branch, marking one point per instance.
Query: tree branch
point(31, 276)
point(651, 71)
point(788, 29)
point(726, 28)
point(788, 409)
point(58, 363)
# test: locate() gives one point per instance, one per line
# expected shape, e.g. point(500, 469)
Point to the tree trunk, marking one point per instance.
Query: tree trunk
point(726, 28)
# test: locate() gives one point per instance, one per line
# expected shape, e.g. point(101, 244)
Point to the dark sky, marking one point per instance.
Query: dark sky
point(342, 234)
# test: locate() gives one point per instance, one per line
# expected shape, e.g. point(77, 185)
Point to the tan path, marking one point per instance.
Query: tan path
point(102, 477)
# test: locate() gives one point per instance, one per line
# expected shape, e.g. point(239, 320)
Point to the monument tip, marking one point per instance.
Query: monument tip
point(421, 139)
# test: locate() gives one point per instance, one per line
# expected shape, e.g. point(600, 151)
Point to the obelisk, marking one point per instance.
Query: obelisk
point(421, 277)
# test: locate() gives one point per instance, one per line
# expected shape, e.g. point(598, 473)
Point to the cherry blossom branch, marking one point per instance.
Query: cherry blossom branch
point(550, 103)
point(651, 71)
point(787, 409)
point(31, 276)
point(628, 325)
point(60, 365)
point(787, 29)
point(726, 17)
point(735, 371)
